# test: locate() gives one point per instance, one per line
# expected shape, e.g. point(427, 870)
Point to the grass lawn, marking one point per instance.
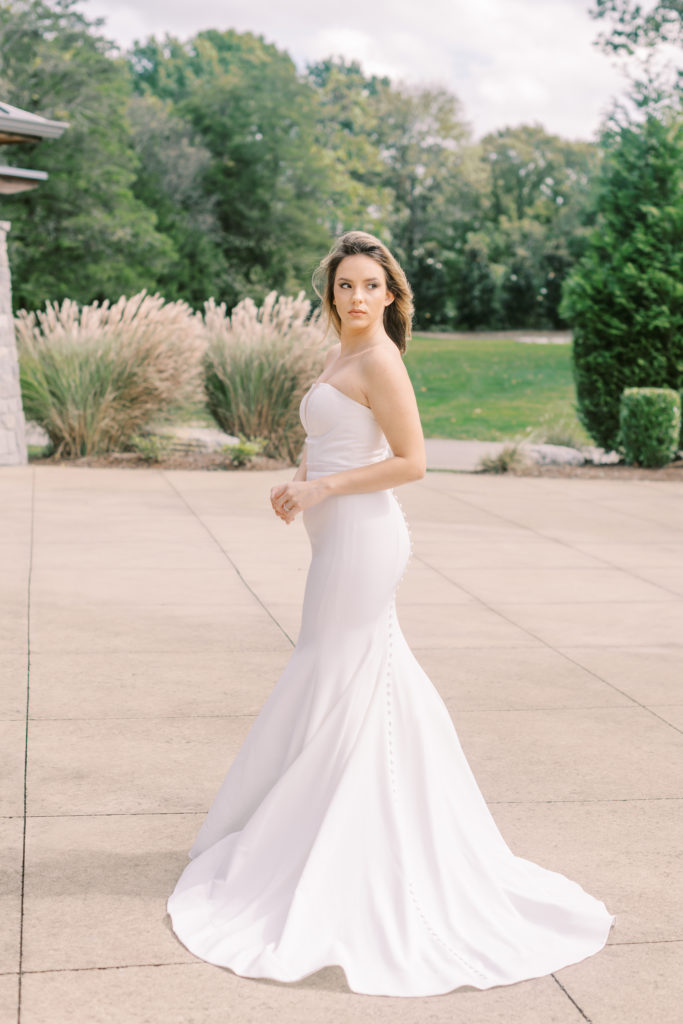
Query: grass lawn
point(493, 389)
point(488, 389)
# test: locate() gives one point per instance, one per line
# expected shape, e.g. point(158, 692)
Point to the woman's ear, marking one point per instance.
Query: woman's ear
point(389, 299)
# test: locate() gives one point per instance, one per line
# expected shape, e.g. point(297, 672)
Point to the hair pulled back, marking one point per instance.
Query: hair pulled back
point(398, 314)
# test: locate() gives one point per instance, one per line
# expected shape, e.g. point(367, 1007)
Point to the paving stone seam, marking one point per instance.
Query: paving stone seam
point(135, 814)
point(591, 800)
point(671, 646)
point(180, 813)
point(646, 942)
point(185, 649)
point(148, 718)
point(561, 652)
point(534, 802)
point(601, 503)
point(571, 999)
point(25, 780)
point(451, 702)
point(225, 554)
point(670, 598)
point(548, 537)
point(111, 967)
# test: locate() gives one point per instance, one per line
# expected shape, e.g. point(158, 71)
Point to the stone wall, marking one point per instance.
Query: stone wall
point(12, 426)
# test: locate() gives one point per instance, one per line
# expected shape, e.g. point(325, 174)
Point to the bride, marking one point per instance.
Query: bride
point(349, 829)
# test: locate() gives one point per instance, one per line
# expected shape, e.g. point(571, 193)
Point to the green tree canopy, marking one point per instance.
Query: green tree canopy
point(256, 118)
point(173, 166)
point(630, 25)
point(212, 167)
point(348, 114)
point(522, 227)
point(83, 234)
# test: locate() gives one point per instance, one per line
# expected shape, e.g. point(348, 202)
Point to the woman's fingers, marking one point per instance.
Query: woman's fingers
point(284, 502)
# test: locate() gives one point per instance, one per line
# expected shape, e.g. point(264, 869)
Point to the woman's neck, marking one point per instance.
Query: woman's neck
point(352, 343)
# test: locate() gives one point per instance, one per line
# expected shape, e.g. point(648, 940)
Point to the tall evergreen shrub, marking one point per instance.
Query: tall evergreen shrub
point(624, 299)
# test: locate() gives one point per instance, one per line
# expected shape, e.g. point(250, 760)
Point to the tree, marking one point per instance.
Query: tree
point(173, 165)
point(422, 137)
point(535, 208)
point(247, 106)
point(82, 234)
point(624, 298)
point(474, 287)
point(647, 43)
point(632, 27)
point(348, 113)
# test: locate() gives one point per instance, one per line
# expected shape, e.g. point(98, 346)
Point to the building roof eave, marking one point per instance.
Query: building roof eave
point(18, 125)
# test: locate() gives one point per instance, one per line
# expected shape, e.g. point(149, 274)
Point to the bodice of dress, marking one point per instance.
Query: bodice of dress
point(341, 433)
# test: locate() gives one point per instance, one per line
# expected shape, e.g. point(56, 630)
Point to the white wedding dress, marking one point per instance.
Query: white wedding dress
point(349, 829)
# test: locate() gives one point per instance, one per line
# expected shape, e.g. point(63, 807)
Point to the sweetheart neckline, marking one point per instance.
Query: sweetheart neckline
point(342, 393)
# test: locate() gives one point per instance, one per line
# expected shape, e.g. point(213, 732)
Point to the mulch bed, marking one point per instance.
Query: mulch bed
point(174, 460)
point(617, 471)
point(218, 463)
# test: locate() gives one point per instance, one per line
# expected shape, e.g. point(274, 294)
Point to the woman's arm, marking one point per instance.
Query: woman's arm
point(392, 399)
point(301, 471)
point(275, 492)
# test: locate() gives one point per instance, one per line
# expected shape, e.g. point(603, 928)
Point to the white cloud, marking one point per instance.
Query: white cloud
point(509, 61)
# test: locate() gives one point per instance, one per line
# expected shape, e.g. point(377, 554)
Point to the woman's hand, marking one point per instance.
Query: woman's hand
point(293, 497)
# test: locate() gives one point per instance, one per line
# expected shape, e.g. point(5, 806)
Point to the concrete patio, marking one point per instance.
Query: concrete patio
point(144, 618)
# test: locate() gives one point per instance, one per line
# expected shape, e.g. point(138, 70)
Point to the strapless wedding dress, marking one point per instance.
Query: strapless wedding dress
point(349, 829)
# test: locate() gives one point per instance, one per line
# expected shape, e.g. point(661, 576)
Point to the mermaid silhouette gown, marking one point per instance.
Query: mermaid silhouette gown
point(349, 828)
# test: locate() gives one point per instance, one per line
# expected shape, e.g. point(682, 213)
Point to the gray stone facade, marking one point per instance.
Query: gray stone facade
point(12, 425)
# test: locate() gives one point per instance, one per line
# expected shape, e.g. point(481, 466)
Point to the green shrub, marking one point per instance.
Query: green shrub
point(244, 451)
point(650, 425)
point(151, 447)
point(624, 298)
point(93, 376)
point(257, 366)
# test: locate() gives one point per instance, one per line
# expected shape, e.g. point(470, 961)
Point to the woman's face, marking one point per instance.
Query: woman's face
point(360, 292)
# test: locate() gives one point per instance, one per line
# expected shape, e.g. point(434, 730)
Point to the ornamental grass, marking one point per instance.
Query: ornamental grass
point(93, 376)
point(258, 363)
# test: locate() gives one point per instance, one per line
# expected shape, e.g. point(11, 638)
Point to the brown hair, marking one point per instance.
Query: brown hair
point(398, 314)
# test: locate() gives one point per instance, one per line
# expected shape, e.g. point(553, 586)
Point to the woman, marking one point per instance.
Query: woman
point(349, 829)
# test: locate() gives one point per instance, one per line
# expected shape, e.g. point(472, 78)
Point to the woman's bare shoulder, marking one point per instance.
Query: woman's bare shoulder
point(384, 361)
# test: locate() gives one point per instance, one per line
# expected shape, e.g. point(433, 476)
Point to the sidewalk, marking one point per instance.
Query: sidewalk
point(159, 608)
point(463, 456)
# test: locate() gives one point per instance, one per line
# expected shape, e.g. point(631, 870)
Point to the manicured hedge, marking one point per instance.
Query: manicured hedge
point(650, 425)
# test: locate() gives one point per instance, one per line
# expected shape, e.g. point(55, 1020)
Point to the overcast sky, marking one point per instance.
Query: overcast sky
point(509, 61)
